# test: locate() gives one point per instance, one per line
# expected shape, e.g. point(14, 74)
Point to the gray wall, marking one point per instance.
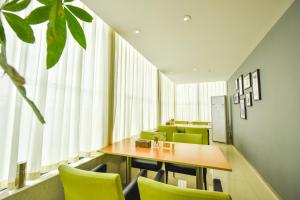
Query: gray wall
point(270, 137)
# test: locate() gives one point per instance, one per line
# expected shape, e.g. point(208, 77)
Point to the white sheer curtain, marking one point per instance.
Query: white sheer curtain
point(135, 93)
point(206, 91)
point(167, 98)
point(187, 102)
point(193, 101)
point(73, 97)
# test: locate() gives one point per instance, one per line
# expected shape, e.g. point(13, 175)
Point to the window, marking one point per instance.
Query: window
point(135, 91)
point(73, 97)
point(193, 101)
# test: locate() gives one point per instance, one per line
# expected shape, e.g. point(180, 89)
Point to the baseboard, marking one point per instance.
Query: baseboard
point(259, 176)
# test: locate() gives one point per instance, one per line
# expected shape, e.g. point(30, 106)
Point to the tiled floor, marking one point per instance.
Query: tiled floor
point(243, 183)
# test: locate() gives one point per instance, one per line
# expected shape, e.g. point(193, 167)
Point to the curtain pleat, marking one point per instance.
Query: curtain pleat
point(167, 98)
point(73, 95)
point(135, 92)
point(193, 101)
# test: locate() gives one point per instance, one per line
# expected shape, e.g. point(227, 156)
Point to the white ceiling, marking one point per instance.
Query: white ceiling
point(220, 36)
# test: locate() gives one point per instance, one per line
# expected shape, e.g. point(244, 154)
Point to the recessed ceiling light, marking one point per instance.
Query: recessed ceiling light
point(137, 31)
point(187, 18)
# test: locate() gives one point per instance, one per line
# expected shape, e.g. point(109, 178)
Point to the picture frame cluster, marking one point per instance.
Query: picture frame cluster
point(247, 89)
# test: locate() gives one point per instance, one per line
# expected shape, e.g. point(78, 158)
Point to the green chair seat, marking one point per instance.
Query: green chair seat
point(153, 190)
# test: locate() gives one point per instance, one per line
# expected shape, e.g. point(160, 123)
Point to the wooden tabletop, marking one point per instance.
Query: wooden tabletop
point(206, 156)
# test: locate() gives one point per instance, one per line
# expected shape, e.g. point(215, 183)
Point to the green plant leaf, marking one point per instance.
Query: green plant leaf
point(16, 5)
point(46, 2)
point(80, 13)
point(2, 33)
point(39, 15)
point(56, 34)
point(20, 27)
point(75, 29)
point(66, 1)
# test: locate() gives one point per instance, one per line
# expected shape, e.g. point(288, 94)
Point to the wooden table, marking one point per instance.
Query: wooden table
point(194, 155)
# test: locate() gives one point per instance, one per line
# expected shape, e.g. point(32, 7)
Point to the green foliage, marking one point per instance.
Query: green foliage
point(80, 13)
point(56, 34)
point(16, 5)
point(75, 29)
point(20, 27)
point(39, 15)
point(58, 14)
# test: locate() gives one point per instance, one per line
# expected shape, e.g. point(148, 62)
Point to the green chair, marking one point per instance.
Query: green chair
point(150, 190)
point(202, 131)
point(187, 138)
point(175, 168)
point(169, 130)
point(181, 122)
point(200, 123)
point(92, 185)
point(150, 135)
point(79, 184)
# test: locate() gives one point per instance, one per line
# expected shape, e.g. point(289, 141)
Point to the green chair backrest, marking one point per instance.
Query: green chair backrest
point(202, 131)
point(187, 138)
point(79, 184)
point(150, 135)
point(181, 122)
point(151, 190)
point(169, 130)
point(200, 123)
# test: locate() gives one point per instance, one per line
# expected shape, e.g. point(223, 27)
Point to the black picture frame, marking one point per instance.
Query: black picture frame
point(236, 84)
point(247, 81)
point(248, 98)
point(243, 109)
point(241, 85)
point(236, 98)
point(256, 87)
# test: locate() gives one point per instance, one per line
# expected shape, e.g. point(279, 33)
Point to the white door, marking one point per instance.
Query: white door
point(218, 118)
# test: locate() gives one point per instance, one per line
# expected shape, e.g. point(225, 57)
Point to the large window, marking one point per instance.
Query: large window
point(167, 98)
point(135, 91)
point(193, 101)
point(73, 97)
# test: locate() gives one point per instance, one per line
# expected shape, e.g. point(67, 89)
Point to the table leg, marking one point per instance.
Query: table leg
point(199, 178)
point(128, 170)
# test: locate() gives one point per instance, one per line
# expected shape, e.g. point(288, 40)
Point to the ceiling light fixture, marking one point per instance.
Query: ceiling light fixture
point(187, 18)
point(137, 31)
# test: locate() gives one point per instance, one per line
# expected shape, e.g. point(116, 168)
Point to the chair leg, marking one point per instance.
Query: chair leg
point(204, 178)
point(167, 173)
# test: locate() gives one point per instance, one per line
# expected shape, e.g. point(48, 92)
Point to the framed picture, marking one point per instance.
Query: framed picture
point(236, 98)
point(256, 85)
point(248, 98)
point(236, 84)
point(243, 109)
point(241, 85)
point(247, 81)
